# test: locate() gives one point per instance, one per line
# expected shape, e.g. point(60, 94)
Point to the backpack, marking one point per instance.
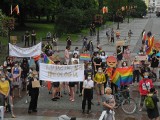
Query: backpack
point(149, 102)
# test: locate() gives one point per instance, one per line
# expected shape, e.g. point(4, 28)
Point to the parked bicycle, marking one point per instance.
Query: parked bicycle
point(124, 100)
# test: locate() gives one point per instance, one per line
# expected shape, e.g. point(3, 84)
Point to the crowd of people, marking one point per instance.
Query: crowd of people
point(18, 75)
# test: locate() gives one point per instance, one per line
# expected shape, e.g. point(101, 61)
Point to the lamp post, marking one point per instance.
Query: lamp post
point(118, 14)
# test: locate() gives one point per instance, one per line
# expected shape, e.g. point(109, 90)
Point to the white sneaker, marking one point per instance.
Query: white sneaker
point(26, 101)
point(140, 109)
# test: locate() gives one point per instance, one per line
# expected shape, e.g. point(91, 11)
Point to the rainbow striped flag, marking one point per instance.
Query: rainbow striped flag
point(47, 60)
point(150, 45)
point(85, 57)
point(123, 76)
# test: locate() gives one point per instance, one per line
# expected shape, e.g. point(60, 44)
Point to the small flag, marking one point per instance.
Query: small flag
point(105, 10)
point(85, 57)
point(47, 60)
point(16, 9)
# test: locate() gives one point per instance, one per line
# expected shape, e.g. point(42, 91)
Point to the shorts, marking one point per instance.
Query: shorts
point(55, 84)
point(99, 88)
point(72, 84)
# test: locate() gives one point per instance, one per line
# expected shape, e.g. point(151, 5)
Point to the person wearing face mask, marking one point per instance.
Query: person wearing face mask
point(16, 73)
point(4, 89)
point(97, 62)
point(33, 92)
point(144, 87)
point(103, 56)
point(100, 79)
point(87, 93)
point(25, 71)
point(75, 57)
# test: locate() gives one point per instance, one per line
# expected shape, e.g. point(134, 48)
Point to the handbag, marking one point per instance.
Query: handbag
point(35, 84)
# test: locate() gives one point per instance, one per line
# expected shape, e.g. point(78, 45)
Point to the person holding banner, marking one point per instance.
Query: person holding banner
point(55, 86)
point(66, 55)
point(100, 79)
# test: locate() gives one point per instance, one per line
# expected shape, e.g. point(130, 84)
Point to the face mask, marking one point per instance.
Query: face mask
point(102, 54)
point(30, 70)
point(124, 64)
point(90, 67)
point(16, 65)
point(99, 71)
point(145, 76)
point(36, 76)
point(89, 78)
point(3, 79)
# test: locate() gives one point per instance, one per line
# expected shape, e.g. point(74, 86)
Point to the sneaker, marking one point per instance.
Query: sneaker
point(34, 110)
point(57, 98)
point(53, 99)
point(140, 109)
point(83, 111)
point(29, 111)
point(26, 101)
point(88, 111)
point(72, 100)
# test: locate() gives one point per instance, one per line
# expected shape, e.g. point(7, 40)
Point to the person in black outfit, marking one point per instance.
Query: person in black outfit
point(33, 92)
point(25, 71)
point(26, 37)
point(33, 38)
point(69, 42)
point(153, 113)
point(154, 61)
point(119, 53)
point(97, 62)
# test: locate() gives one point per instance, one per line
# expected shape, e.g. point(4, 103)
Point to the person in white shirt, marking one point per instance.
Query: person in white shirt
point(87, 93)
point(66, 55)
point(75, 57)
point(76, 51)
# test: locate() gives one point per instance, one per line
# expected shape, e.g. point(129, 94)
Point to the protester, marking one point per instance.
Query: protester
point(153, 113)
point(71, 87)
point(66, 55)
point(9, 78)
point(84, 47)
point(112, 36)
point(33, 38)
point(87, 93)
point(99, 79)
point(129, 34)
point(103, 56)
point(4, 89)
point(49, 35)
point(144, 87)
point(108, 103)
point(76, 51)
point(55, 87)
point(119, 54)
point(8, 64)
point(26, 38)
point(33, 92)
point(90, 47)
point(127, 54)
point(136, 70)
point(154, 61)
point(75, 57)
point(97, 62)
point(17, 83)
point(25, 71)
point(69, 41)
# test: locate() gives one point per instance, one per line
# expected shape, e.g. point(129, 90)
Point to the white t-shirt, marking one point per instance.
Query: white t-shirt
point(88, 84)
point(73, 59)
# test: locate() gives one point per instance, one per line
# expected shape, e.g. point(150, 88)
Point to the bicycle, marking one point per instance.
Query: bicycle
point(123, 99)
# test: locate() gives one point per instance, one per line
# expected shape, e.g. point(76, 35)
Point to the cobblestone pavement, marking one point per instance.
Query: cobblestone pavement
point(48, 109)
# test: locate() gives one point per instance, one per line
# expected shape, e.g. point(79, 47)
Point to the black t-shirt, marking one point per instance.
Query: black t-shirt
point(87, 73)
point(98, 61)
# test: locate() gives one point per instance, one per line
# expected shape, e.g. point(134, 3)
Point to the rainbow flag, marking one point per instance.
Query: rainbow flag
point(123, 76)
point(150, 45)
point(47, 60)
point(85, 57)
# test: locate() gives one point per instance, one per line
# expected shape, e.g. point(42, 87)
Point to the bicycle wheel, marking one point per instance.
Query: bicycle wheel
point(129, 106)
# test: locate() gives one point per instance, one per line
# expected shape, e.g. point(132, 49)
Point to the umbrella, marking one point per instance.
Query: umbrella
point(158, 54)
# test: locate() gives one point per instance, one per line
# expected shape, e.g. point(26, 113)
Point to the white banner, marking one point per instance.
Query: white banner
point(61, 73)
point(25, 52)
